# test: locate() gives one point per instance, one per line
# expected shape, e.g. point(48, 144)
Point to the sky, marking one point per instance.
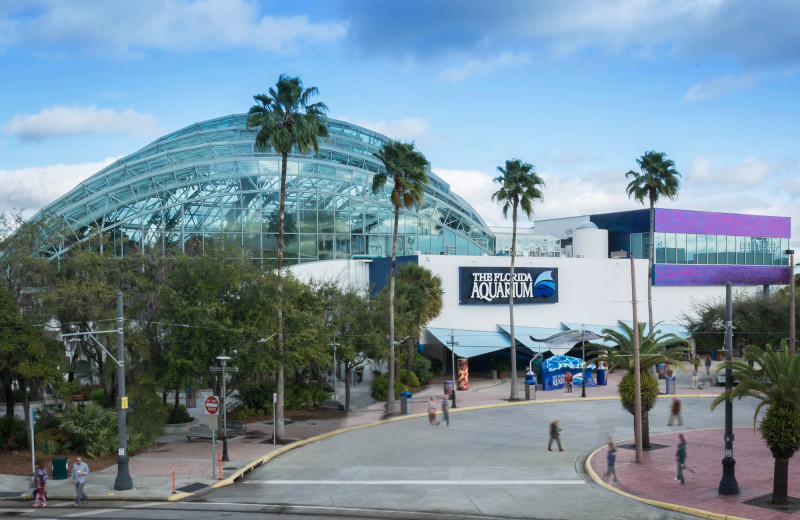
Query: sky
point(579, 89)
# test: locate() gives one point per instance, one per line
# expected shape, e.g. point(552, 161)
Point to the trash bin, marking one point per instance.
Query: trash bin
point(60, 468)
point(405, 403)
point(601, 376)
point(713, 355)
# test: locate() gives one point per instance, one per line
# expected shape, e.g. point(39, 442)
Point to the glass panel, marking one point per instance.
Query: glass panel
point(711, 245)
point(731, 245)
point(636, 245)
point(308, 221)
point(342, 247)
point(680, 248)
point(357, 245)
point(758, 251)
point(251, 245)
point(290, 245)
point(703, 254)
point(461, 244)
point(325, 221)
point(660, 242)
point(670, 247)
point(749, 247)
point(784, 247)
point(308, 246)
point(645, 245)
point(691, 249)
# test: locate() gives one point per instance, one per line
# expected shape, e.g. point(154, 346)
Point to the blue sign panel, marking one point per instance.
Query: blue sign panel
point(488, 285)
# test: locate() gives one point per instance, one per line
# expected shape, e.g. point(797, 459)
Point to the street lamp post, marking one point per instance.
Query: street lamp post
point(583, 367)
point(790, 252)
point(223, 368)
point(728, 484)
point(453, 344)
point(334, 345)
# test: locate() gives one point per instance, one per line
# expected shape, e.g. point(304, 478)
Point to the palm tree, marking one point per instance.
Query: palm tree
point(658, 178)
point(773, 379)
point(407, 169)
point(520, 188)
point(285, 118)
point(654, 348)
point(419, 299)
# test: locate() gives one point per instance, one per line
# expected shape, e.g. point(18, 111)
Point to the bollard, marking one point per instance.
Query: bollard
point(219, 464)
point(173, 479)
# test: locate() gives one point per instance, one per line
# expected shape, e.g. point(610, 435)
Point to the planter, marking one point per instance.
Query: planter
point(494, 374)
point(177, 429)
point(502, 374)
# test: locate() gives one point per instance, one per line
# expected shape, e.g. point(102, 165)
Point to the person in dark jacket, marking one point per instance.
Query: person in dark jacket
point(554, 436)
point(680, 458)
point(612, 458)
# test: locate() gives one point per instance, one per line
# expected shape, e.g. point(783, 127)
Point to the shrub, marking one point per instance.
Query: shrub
point(178, 415)
point(12, 433)
point(414, 378)
point(380, 388)
point(258, 397)
point(243, 413)
point(426, 367)
point(91, 427)
point(649, 391)
point(98, 396)
point(139, 441)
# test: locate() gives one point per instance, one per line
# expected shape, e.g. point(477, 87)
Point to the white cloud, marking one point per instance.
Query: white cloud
point(749, 172)
point(128, 28)
point(36, 186)
point(406, 129)
point(721, 86)
point(484, 66)
point(60, 120)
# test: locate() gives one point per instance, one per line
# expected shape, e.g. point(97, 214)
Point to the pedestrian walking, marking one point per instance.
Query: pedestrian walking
point(568, 382)
point(680, 458)
point(708, 366)
point(554, 436)
point(675, 412)
point(39, 483)
point(694, 376)
point(432, 412)
point(611, 455)
point(446, 410)
point(80, 470)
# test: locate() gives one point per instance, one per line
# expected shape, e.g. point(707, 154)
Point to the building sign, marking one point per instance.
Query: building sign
point(485, 285)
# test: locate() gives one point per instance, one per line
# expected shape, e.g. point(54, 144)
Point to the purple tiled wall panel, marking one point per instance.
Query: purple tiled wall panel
point(679, 274)
point(703, 222)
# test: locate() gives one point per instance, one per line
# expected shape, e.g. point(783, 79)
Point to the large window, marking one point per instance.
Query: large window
point(680, 248)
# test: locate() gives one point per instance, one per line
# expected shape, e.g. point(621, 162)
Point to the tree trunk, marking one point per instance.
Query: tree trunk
point(409, 362)
point(390, 389)
point(650, 265)
point(347, 371)
point(514, 391)
point(177, 399)
point(780, 482)
point(279, 427)
point(8, 390)
point(646, 429)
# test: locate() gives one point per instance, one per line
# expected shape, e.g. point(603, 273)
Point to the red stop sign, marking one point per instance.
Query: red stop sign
point(212, 405)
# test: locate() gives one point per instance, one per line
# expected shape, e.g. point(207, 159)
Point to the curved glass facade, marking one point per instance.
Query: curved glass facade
point(207, 180)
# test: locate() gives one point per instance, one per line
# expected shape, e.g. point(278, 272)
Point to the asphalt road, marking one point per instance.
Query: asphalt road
point(489, 463)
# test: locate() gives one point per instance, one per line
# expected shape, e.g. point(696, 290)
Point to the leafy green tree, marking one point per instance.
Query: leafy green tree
point(773, 378)
point(406, 167)
point(658, 178)
point(21, 267)
point(419, 300)
point(355, 326)
point(520, 187)
point(654, 348)
point(758, 320)
point(286, 118)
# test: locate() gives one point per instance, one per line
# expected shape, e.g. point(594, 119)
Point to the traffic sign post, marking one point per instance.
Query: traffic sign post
point(211, 406)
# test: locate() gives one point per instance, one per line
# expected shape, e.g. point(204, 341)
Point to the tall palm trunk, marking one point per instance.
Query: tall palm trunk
point(279, 427)
point(646, 429)
point(390, 389)
point(514, 393)
point(650, 264)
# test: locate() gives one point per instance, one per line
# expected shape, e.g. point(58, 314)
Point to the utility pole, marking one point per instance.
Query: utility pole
point(637, 377)
point(583, 368)
point(453, 344)
point(334, 345)
point(728, 484)
point(790, 252)
point(123, 481)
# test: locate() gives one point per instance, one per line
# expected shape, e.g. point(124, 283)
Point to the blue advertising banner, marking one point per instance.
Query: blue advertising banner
point(491, 285)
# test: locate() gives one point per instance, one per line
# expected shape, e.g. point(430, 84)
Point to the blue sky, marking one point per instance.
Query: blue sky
point(579, 89)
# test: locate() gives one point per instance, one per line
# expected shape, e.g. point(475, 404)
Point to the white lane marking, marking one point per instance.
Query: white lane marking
point(91, 512)
point(420, 482)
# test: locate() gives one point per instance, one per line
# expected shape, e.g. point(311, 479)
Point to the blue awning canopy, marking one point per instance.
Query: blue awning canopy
point(471, 343)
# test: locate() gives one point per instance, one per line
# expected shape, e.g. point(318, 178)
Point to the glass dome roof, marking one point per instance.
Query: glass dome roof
point(207, 180)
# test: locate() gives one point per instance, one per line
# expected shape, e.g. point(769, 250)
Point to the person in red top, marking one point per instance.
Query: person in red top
point(568, 381)
point(675, 412)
